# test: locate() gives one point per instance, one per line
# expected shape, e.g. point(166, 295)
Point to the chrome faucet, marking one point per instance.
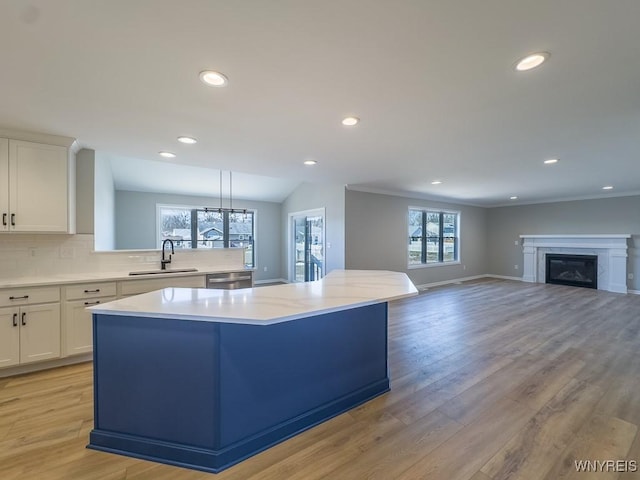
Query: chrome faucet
point(163, 262)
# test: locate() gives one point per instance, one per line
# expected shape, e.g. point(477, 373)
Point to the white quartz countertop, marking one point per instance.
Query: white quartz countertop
point(70, 278)
point(339, 290)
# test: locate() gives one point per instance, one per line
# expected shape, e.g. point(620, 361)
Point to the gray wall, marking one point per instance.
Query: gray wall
point(105, 204)
point(376, 237)
point(135, 214)
point(607, 215)
point(308, 197)
point(85, 191)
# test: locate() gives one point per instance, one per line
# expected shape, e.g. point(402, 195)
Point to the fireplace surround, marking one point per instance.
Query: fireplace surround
point(610, 250)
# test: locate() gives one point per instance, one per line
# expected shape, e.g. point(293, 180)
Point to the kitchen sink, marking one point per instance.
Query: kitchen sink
point(164, 272)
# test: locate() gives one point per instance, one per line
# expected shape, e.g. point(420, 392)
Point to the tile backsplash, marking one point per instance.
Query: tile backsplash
point(23, 255)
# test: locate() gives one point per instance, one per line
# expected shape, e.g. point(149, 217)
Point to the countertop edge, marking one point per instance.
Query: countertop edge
point(246, 321)
point(152, 305)
point(107, 277)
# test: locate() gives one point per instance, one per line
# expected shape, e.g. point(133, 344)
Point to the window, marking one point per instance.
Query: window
point(434, 237)
point(192, 227)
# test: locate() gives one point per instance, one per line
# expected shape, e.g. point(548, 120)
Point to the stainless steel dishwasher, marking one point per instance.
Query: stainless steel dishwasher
point(229, 280)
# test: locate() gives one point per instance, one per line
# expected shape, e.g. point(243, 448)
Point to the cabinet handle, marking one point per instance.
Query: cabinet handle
point(227, 279)
point(24, 316)
point(92, 303)
point(15, 319)
point(97, 290)
point(13, 219)
point(4, 219)
point(24, 297)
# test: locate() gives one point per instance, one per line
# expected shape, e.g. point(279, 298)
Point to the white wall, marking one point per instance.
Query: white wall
point(606, 215)
point(376, 237)
point(85, 198)
point(104, 210)
point(310, 196)
point(136, 224)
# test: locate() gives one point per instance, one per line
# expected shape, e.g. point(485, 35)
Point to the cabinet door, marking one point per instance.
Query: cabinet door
point(78, 330)
point(38, 187)
point(39, 332)
point(4, 185)
point(9, 337)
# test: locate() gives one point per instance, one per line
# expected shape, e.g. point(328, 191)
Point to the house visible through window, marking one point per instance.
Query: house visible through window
point(191, 227)
point(434, 237)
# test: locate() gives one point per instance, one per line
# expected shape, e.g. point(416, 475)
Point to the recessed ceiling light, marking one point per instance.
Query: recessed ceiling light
point(215, 79)
point(551, 160)
point(436, 182)
point(513, 198)
point(531, 61)
point(310, 162)
point(188, 140)
point(167, 154)
point(350, 121)
point(607, 187)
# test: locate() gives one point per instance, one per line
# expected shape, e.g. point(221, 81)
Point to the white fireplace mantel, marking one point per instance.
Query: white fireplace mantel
point(611, 250)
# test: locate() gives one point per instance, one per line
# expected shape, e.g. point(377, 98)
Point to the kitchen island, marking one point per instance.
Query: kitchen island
point(206, 378)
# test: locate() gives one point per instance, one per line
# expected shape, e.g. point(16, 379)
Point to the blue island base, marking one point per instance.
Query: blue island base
point(207, 395)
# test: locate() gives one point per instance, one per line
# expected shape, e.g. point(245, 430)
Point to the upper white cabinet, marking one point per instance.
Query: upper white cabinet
point(37, 187)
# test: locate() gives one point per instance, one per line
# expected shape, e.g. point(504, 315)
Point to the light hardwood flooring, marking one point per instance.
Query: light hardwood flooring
point(491, 380)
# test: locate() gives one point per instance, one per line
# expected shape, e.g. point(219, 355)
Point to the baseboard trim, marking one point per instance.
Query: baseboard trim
point(634, 292)
point(504, 277)
point(45, 365)
point(426, 286)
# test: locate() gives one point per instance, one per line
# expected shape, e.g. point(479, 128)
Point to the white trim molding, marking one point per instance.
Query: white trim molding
point(611, 250)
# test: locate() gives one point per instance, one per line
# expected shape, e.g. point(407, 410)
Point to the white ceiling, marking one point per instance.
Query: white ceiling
point(139, 175)
point(433, 82)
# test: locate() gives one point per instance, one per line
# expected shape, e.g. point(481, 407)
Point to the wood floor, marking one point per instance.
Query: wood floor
point(491, 379)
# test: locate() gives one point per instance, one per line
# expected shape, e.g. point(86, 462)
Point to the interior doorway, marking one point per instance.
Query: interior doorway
point(307, 245)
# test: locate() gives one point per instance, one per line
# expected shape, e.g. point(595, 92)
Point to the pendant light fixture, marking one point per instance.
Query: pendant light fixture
point(229, 209)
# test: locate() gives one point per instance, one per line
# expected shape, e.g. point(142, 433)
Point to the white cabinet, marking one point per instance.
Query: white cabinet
point(78, 324)
point(9, 337)
point(35, 187)
point(39, 332)
point(29, 325)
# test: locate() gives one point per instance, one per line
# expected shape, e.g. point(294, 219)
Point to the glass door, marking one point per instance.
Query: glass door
point(308, 247)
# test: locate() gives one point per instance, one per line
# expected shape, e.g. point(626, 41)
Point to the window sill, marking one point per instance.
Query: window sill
point(430, 265)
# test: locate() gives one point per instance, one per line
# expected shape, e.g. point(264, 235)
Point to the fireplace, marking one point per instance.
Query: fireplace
point(573, 270)
point(611, 250)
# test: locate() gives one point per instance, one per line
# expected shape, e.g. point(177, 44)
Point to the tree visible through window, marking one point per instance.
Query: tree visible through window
point(191, 227)
point(433, 237)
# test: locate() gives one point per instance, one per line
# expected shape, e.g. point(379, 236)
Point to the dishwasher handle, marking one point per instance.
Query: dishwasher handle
point(227, 280)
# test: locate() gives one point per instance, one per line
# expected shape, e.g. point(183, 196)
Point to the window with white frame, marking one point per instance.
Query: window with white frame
point(197, 227)
point(434, 237)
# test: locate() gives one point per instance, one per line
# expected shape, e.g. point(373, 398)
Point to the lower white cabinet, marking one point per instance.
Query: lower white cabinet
point(29, 333)
point(78, 324)
point(9, 337)
point(49, 322)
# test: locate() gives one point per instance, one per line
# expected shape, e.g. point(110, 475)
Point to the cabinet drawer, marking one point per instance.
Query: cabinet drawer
point(135, 287)
point(90, 290)
point(28, 296)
